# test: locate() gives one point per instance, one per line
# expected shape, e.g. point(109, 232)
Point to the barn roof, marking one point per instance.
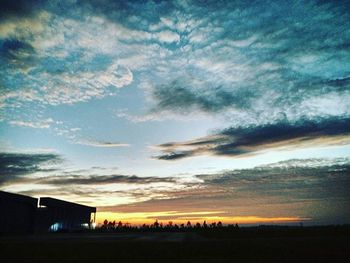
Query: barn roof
point(53, 202)
point(11, 197)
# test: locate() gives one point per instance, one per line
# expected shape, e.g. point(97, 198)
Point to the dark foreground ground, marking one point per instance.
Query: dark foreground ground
point(176, 247)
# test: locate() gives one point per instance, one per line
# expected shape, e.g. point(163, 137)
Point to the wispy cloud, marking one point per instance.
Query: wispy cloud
point(295, 188)
point(41, 124)
point(252, 63)
point(24, 168)
point(53, 66)
point(15, 165)
point(317, 191)
point(256, 71)
point(48, 174)
point(252, 139)
point(105, 179)
point(104, 144)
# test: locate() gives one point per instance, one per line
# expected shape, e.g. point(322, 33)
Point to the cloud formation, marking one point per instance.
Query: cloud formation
point(22, 167)
point(259, 63)
point(105, 179)
point(41, 124)
point(48, 174)
point(15, 165)
point(84, 180)
point(48, 60)
point(179, 97)
point(103, 144)
point(252, 139)
point(312, 188)
point(251, 62)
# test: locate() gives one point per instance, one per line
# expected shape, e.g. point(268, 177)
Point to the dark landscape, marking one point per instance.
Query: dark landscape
point(251, 244)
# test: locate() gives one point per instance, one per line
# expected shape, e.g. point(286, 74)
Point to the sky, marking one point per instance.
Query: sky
point(237, 111)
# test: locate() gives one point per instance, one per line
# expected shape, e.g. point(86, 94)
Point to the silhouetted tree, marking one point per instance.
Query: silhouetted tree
point(156, 224)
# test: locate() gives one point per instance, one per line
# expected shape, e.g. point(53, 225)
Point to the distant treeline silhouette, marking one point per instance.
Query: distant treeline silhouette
point(160, 226)
point(219, 230)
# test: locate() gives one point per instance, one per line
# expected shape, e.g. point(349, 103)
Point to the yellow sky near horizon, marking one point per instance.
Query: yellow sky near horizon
point(139, 218)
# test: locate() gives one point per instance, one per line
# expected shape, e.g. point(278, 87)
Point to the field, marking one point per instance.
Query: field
point(248, 246)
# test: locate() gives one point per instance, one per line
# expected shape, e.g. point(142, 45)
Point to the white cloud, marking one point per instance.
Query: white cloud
point(24, 27)
point(167, 36)
point(52, 80)
point(217, 50)
point(40, 124)
point(102, 144)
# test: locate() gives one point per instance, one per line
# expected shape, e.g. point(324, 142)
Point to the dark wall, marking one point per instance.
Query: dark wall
point(58, 215)
point(20, 214)
point(64, 218)
point(17, 213)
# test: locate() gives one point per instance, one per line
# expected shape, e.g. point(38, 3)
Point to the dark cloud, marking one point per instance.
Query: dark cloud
point(282, 131)
point(12, 45)
point(15, 165)
point(339, 83)
point(177, 96)
point(101, 179)
point(128, 12)
point(250, 139)
point(308, 178)
point(175, 155)
point(17, 52)
point(293, 181)
point(19, 8)
point(310, 188)
point(18, 167)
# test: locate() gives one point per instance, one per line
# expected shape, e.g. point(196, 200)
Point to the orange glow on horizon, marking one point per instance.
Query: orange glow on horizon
point(180, 218)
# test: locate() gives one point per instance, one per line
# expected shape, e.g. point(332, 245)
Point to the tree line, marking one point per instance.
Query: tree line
point(159, 226)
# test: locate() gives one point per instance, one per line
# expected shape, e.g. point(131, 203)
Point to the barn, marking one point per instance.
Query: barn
point(58, 215)
point(25, 215)
point(17, 213)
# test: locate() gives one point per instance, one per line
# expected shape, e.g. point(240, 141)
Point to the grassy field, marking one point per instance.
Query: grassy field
point(173, 247)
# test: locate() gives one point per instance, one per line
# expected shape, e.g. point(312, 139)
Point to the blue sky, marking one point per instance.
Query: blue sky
point(119, 104)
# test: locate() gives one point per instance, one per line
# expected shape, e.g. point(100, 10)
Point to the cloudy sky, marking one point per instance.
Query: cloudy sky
point(220, 110)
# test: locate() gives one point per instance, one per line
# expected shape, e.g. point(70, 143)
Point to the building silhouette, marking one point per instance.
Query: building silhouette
point(55, 214)
point(24, 214)
point(17, 213)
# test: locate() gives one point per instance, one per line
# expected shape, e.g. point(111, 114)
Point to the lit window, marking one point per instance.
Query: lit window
point(55, 227)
